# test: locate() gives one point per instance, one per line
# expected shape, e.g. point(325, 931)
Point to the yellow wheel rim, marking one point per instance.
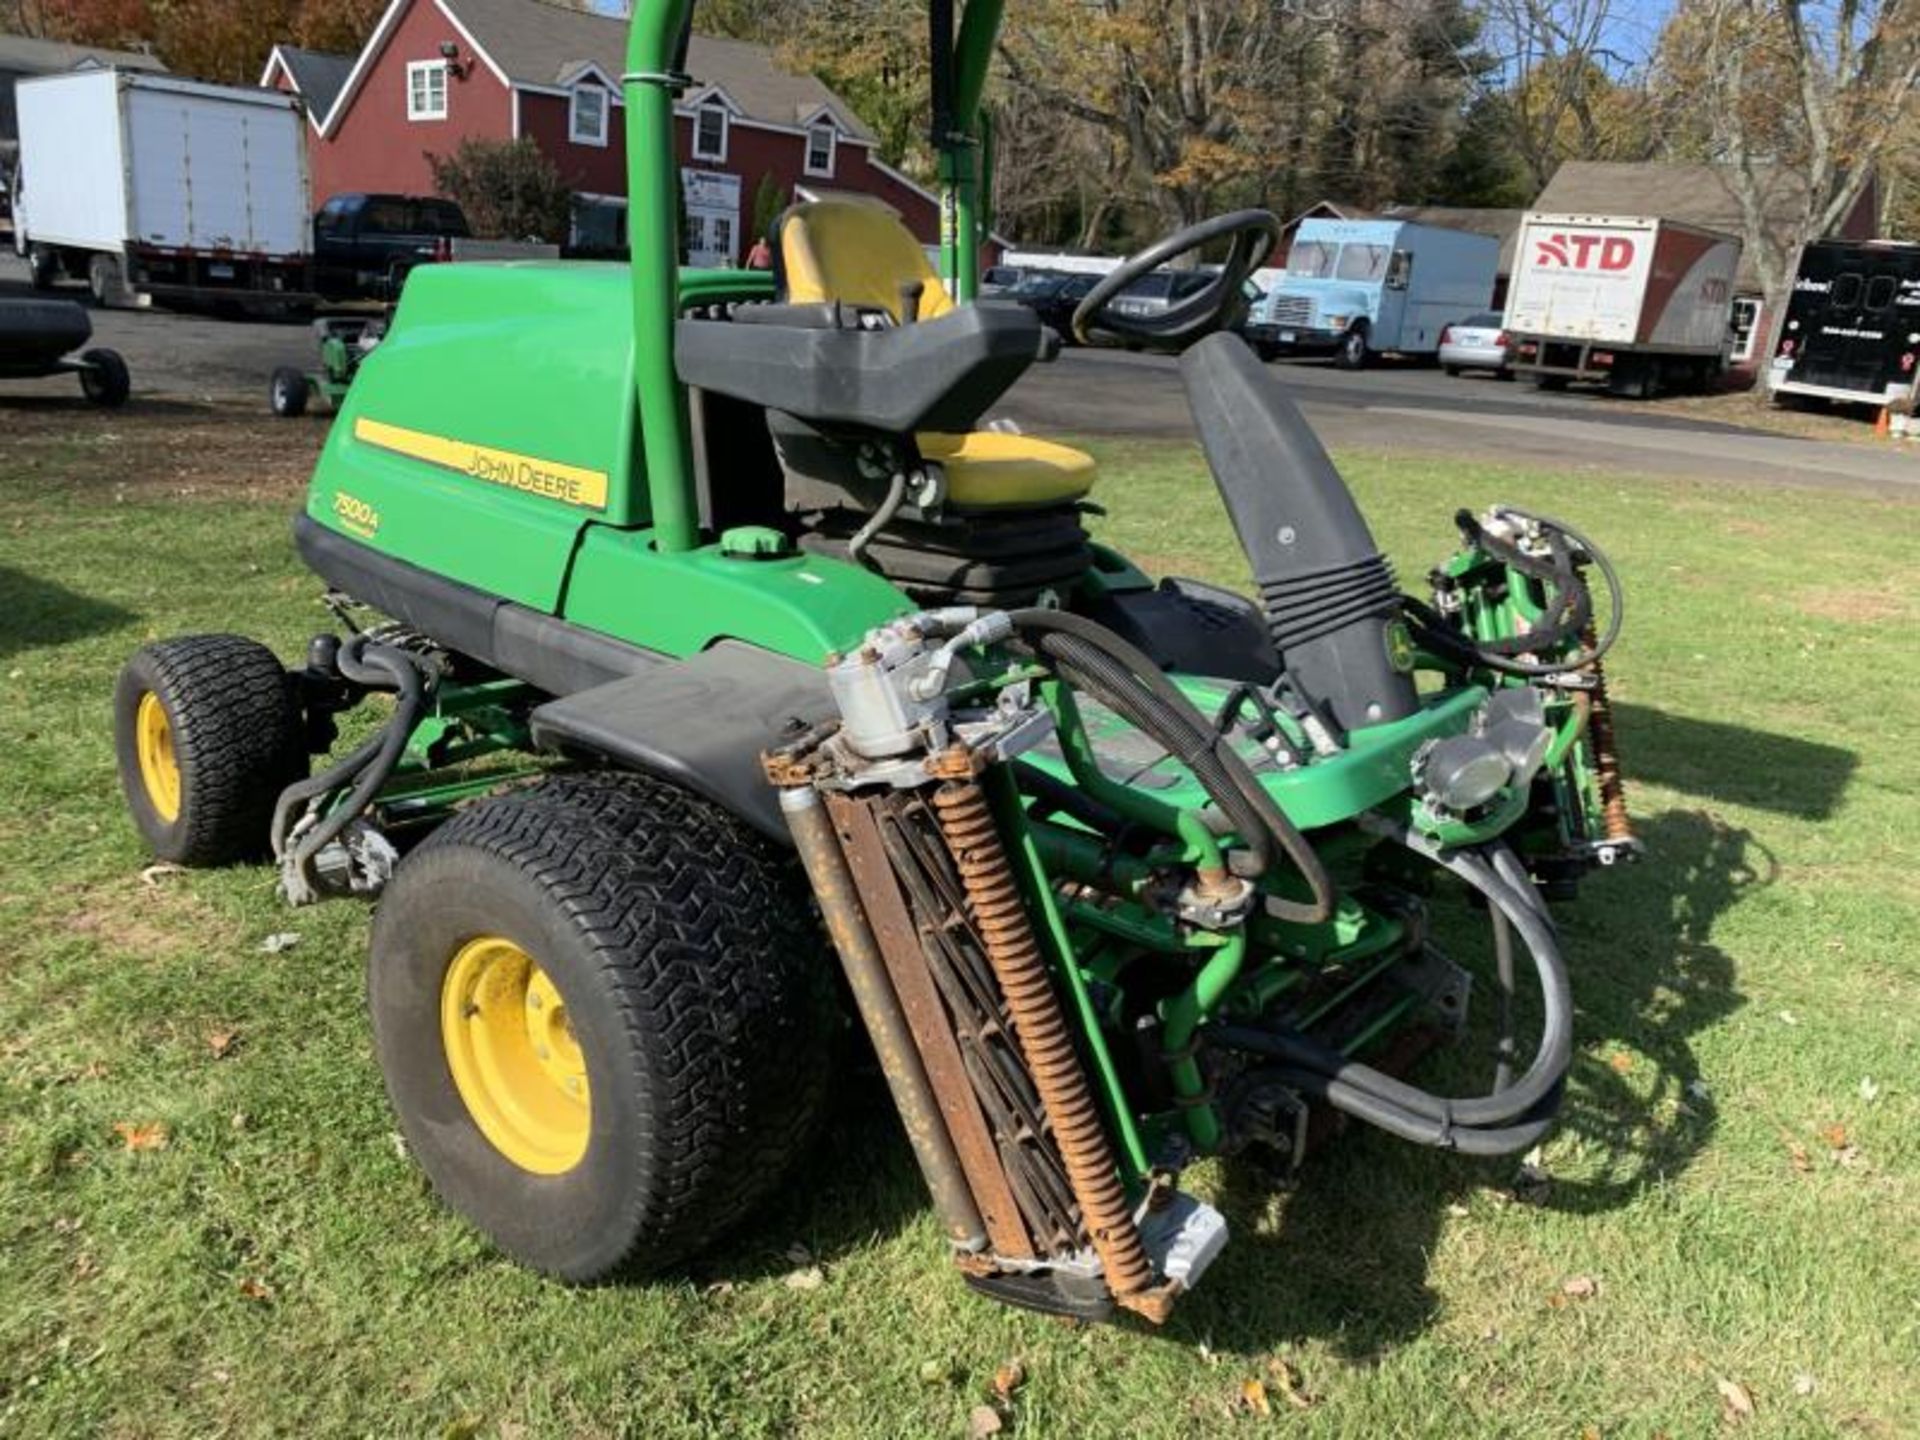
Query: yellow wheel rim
point(153, 744)
point(511, 1049)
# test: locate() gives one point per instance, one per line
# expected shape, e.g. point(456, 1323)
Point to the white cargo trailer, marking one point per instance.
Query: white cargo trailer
point(151, 187)
point(1639, 303)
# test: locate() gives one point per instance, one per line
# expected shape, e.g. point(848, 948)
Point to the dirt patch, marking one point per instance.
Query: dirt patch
point(1850, 606)
point(149, 922)
point(180, 447)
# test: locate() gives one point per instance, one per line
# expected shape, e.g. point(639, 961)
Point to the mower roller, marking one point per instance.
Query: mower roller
point(717, 625)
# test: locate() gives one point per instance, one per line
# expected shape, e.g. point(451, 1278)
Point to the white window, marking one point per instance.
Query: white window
point(427, 90)
point(589, 122)
point(710, 132)
point(821, 139)
point(1746, 326)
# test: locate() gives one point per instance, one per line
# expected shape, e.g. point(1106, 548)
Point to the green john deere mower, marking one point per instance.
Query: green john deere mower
point(717, 624)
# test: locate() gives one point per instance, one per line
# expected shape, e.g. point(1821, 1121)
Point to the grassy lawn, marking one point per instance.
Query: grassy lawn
point(207, 1225)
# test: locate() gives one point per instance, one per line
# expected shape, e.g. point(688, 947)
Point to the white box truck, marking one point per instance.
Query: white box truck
point(148, 187)
point(1638, 303)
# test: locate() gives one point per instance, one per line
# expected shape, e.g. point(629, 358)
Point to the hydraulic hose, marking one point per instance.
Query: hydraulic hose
point(1126, 680)
point(1512, 1116)
point(366, 768)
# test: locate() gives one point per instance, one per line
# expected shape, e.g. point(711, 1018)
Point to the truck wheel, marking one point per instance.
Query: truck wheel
point(1452, 371)
point(43, 266)
point(207, 731)
point(1549, 382)
point(1352, 351)
point(287, 392)
point(106, 283)
point(105, 381)
point(603, 1011)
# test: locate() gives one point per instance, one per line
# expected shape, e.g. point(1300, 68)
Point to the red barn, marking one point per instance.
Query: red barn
point(436, 72)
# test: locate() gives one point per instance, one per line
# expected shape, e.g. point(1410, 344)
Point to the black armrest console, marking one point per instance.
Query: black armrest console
point(938, 374)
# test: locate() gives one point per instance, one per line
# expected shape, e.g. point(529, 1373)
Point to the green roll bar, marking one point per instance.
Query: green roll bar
point(654, 78)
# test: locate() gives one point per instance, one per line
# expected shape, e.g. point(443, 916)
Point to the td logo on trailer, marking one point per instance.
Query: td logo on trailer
point(1565, 250)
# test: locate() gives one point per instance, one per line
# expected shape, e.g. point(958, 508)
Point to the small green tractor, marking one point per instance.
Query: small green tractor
point(718, 624)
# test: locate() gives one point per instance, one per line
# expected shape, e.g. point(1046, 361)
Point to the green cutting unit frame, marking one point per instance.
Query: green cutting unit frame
point(1122, 873)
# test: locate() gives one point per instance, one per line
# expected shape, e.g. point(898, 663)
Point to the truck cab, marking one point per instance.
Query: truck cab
point(1359, 288)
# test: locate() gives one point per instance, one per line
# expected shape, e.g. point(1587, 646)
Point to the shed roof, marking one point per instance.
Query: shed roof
point(1696, 194)
point(30, 55)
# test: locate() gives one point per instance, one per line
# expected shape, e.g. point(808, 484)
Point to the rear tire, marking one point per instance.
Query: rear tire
point(1453, 371)
point(106, 382)
point(1550, 382)
point(682, 948)
point(208, 732)
point(287, 392)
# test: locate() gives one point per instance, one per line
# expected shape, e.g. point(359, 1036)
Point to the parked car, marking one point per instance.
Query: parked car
point(1054, 298)
point(1000, 279)
point(364, 245)
point(1359, 288)
point(1475, 343)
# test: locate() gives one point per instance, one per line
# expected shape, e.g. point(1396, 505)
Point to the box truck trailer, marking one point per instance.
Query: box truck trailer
point(1852, 329)
point(1637, 303)
point(1359, 288)
point(149, 187)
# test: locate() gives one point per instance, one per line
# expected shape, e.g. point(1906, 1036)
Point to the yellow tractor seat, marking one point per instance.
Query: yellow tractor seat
point(859, 254)
point(988, 470)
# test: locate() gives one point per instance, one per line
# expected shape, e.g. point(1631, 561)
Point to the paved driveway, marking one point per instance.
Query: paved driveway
point(1110, 392)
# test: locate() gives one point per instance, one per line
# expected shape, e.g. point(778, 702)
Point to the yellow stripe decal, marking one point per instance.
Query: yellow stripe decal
point(550, 480)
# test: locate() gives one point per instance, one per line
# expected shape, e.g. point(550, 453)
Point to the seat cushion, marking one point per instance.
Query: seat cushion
point(858, 253)
point(991, 470)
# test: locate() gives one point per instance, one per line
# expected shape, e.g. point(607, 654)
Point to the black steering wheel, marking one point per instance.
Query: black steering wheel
point(1254, 232)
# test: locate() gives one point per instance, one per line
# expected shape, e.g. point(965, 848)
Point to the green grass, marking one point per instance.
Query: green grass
point(279, 1267)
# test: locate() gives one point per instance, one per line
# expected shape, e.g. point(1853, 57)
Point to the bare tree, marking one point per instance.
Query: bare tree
point(1554, 69)
point(1816, 90)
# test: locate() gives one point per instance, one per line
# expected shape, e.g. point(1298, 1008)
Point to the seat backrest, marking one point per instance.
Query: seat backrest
point(857, 253)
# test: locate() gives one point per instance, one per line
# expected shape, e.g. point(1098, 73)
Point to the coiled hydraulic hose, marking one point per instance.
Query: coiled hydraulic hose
point(1512, 1118)
point(1127, 681)
point(368, 767)
point(1571, 613)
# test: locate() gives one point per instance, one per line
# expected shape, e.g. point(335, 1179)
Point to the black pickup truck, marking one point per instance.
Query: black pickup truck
point(364, 245)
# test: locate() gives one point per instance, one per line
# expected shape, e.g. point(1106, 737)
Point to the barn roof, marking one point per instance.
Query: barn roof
point(537, 43)
point(317, 75)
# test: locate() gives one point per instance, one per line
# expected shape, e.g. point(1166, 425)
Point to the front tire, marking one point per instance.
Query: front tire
point(43, 267)
point(106, 380)
point(287, 392)
point(698, 1019)
point(1352, 352)
point(106, 281)
point(208, 732)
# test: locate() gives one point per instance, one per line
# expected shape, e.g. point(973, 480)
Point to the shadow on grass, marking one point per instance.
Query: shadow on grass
point(1734, 764)
point(1346, 1258)
point(36, 612)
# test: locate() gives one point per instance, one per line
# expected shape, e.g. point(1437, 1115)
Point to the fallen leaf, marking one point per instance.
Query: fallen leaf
point(1787, 1018)
point(67, 1224)
point(811, 1278)
point(220, 1042)
point(1532, 1185)
point(153, 874)
point(1557, 1301)
point(1458, 1211)
point(463, 1428)
point(255, 1288)
point(1805, 1384)
point(1620, 1062)
point(1736, 1401)
point(1580, 1287)
point(1253, 1396)
point(717, 1288)
point(798, 1254)
point(1835, 1137)
point(275, 943)
point(84, 1265)
point(1292, 1388)
point(1589, 1432)
point(935, 1372)
point(1869, 1089)
point(1009, 1378)
point(152, 1136)
point(1847, 1155)
point(982, 1421)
